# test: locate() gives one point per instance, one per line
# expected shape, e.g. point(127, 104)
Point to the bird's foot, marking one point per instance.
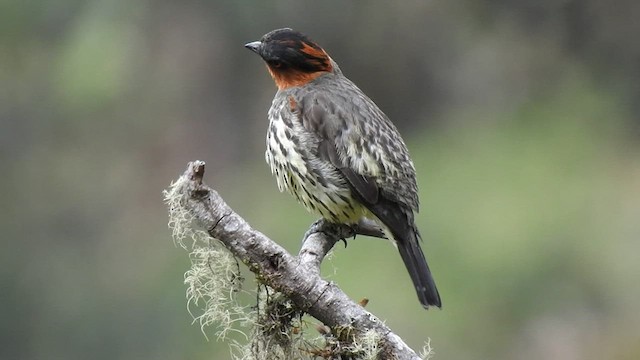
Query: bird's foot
point(340, 232)
point(318, 226)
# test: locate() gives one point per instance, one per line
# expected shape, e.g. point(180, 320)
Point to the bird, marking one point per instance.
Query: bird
point(337, 153)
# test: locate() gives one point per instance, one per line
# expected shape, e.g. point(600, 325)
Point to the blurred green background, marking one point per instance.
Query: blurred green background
point(522, 117)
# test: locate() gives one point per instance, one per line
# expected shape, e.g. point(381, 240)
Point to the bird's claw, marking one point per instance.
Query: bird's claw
point(340, 231)
point(317, 226)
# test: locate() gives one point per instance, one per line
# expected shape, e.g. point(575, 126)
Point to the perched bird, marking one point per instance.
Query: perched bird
point(333, 149)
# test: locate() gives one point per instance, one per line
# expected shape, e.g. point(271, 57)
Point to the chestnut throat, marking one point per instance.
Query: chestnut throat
point(288, 78)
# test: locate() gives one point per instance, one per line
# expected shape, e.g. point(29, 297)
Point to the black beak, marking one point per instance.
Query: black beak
point(255, 46)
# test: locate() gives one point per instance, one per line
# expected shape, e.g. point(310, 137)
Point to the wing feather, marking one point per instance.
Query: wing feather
point(359, 140)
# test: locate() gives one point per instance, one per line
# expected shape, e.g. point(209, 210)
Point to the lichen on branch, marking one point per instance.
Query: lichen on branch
point(290, 287)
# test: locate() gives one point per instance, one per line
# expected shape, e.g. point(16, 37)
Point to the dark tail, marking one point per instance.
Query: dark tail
point(399, 219)
point(418, 269)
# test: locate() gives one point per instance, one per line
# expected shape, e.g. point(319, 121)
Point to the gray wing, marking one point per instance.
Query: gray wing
point(359, 140)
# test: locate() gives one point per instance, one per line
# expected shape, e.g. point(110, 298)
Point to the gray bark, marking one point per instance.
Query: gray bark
point(298, 277)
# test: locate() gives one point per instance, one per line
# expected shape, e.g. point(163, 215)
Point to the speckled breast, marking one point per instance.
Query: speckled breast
point(317, 184)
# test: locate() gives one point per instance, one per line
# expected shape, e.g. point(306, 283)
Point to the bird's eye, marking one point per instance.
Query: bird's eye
point(275, 63)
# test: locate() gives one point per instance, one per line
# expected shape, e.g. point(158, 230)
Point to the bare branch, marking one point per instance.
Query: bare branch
point(298, 277)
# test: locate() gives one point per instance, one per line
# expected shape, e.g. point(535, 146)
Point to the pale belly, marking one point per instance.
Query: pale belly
point(315, 183)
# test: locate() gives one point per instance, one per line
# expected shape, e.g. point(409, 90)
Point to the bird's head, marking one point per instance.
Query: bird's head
point(291, 57)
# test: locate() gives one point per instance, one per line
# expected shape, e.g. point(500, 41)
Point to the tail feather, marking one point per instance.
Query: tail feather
point(399, 220)
point(418, 269)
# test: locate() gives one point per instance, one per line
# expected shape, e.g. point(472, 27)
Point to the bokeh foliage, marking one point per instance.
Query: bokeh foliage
point(522, 119)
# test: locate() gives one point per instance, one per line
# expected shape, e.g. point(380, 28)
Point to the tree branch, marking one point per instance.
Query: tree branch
point(298, 277)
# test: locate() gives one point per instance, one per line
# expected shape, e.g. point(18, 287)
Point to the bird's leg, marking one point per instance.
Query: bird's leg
point(318, 226)
point(332, 230)
point(342, 232)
